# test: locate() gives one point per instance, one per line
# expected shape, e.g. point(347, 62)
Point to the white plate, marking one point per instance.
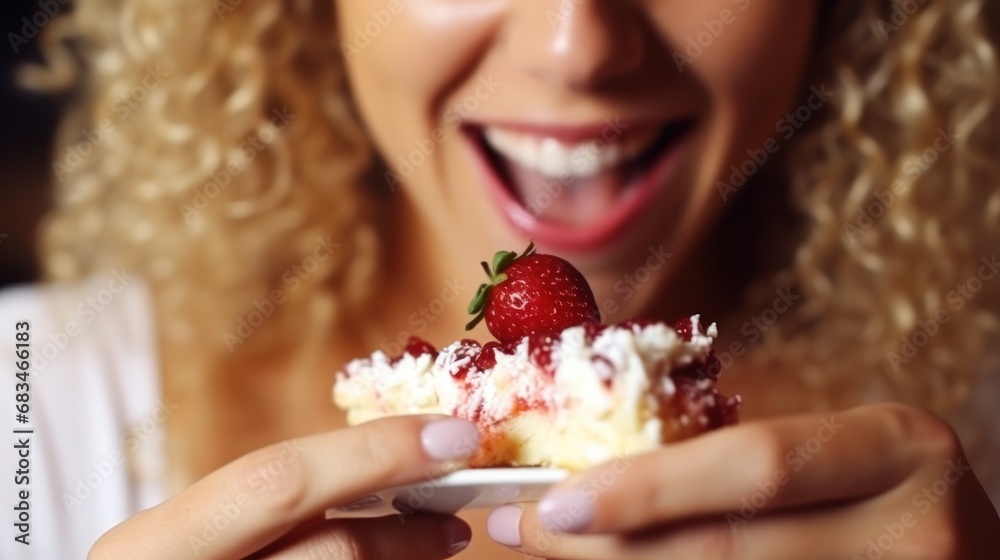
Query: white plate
point(470, 488)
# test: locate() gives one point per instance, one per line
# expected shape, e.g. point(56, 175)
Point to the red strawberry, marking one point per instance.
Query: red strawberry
point(531, 294)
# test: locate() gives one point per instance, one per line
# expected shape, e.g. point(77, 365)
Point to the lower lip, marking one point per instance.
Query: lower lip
point(585, 237)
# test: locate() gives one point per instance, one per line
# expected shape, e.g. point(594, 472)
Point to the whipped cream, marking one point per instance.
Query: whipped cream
point(601, 398)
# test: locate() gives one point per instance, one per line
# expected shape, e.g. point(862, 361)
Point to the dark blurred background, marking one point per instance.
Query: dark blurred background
point(26, 144)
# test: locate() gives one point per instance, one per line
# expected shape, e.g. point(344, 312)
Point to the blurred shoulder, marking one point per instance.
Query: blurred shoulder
point(93, 403)
point(98, 331)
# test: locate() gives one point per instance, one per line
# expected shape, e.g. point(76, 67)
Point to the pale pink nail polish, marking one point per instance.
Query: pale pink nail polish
point(504, 525)
point(450, 439)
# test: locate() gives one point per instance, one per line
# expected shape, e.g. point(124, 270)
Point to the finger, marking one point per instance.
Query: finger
point(252, 501)
point(780, 536)
point(755, 467)
point(421, 537)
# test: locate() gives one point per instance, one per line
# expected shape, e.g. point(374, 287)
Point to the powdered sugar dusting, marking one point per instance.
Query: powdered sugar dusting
point(621, 359)
point(702, 338)
point(453, 363)
point(608, 384)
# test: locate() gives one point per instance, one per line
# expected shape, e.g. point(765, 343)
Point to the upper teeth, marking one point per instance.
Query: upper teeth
point(553, 158)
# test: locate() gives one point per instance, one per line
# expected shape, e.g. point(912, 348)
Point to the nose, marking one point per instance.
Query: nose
point(575, 44)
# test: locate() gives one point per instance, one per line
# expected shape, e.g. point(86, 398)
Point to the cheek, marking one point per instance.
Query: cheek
point(403, 56)
point(747, 56)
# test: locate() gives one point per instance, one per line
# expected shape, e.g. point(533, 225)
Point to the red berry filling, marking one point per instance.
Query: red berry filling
point(464, 358)
point(541, 349)
point(416, 347)
point(684, 328)
point(487, 357)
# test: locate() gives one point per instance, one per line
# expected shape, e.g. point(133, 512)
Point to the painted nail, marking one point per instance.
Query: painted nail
point(457, 535)
point(568, 511)
point(451, 439)
point(504, 525)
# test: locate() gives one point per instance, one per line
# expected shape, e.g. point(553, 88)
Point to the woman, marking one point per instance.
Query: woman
point(816, 176)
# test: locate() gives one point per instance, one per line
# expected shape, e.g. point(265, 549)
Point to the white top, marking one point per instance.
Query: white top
point(95, 409)
point(96, 454)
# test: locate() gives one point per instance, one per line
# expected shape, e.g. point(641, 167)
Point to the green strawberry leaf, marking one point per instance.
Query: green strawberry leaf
point(475, 321)
point(479, 300)
point(501, 260)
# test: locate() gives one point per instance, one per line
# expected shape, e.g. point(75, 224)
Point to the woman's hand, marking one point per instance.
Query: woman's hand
point(270, 503)
point(881, 482)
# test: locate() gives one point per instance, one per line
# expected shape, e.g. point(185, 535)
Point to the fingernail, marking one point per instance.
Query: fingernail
point(568, 511)
point(504, 525)
point(457, 535)
point(451, 439)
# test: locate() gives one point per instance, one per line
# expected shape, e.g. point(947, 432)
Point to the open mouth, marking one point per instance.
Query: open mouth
point(575, 188)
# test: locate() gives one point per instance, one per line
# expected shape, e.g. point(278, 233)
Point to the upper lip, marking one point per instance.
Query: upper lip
point(571, 133)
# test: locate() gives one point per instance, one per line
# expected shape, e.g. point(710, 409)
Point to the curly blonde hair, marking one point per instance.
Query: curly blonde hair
point(900, 192)
point(150, 196)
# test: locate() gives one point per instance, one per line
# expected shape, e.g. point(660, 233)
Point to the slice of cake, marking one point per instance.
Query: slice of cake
point(558, 388)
